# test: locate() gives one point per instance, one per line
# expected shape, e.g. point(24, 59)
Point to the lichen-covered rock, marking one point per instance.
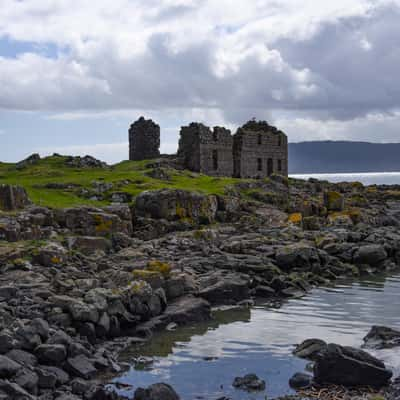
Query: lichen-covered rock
point(175, 205)
point(297, 255)
point(13, 198)
point(87, 221)
point(333, 201)
point(89, 245)
point(51, 255)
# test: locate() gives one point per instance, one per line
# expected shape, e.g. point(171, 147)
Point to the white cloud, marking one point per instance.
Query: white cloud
point(2, 132)
point(325, 60)
point(373, 127)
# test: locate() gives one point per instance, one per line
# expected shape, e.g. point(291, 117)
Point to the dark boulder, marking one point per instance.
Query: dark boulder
point(224, 289)
point(81, 367)
point(250, 383)
point(13, 198)
point(300, 381)
point(158, 391)
point(31, 160)
point(8, 367)
point(51, 354)
point(382, 337)
point(309, 349)
point(350, 367)
point(371, 254)
point(188, 309)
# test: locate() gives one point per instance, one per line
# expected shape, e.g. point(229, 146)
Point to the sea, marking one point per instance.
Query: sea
point(366, 178)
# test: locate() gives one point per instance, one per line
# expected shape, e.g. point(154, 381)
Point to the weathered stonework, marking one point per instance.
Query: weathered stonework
point(144, 140)
point(207, 151)
point(259, 150)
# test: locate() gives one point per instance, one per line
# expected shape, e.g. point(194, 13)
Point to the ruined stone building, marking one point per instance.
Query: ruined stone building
point(144, 140)
point(207, 151)
point(259, 150)
point(256, 150)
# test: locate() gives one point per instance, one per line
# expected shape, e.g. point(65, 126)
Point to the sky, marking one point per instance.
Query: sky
point(74, 74)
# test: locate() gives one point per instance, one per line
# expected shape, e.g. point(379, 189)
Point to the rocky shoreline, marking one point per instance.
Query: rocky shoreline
point(78, 285)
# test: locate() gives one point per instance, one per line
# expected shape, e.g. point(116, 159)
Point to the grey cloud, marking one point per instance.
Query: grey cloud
point(355, 81)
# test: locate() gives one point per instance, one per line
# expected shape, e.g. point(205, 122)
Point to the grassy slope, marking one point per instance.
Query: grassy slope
point(54, 170)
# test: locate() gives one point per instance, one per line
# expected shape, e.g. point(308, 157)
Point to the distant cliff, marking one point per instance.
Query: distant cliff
point(343, 156)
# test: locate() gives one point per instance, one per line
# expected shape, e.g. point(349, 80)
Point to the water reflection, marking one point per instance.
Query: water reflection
point(203, 360)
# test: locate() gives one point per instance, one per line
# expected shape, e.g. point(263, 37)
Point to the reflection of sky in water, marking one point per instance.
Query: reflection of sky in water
point(261, 340)
point(367, 178)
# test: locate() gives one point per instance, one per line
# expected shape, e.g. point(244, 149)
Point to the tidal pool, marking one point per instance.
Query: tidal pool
point(201, 361)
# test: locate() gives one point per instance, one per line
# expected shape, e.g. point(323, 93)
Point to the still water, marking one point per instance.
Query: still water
point(201, 362)
point(369, 178)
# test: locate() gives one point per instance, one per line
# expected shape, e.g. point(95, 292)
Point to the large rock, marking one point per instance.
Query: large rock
point(188, 309)
point(309, 349)
point(158, 391)
point(333, 201)
point(382, 337)
point(89, 245)
point(86, 221)
point(8, 367)
point(79, 310)
point(250, 383)
point(350, 367)
point(297, 255)
point(371, 254)
point(51, 354)
point(175, 205)
point(81, 367)
point(13, 198)
point(224, 289)
point(31, 160)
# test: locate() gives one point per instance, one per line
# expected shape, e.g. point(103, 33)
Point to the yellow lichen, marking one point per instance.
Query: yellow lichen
point(102, 225)
point(295, 218)
point(180, 212)
point(160, 267)
point(55, 260)
point(145, 274)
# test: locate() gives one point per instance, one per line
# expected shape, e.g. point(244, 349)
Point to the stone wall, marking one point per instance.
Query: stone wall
point(207, 151)
point(259, 150)
point(144, 140)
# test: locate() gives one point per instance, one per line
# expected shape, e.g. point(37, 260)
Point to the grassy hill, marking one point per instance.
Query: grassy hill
point(52, 183)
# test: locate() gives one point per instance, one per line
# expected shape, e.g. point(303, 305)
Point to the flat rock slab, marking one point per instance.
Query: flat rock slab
point(81, 367)
point(188, 309)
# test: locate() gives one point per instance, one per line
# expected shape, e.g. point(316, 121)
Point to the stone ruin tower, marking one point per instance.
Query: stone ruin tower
point(144, 140)
point(259, 150)
point(206, 151)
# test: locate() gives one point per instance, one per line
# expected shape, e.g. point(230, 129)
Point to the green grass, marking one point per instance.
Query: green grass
point(53, 170)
